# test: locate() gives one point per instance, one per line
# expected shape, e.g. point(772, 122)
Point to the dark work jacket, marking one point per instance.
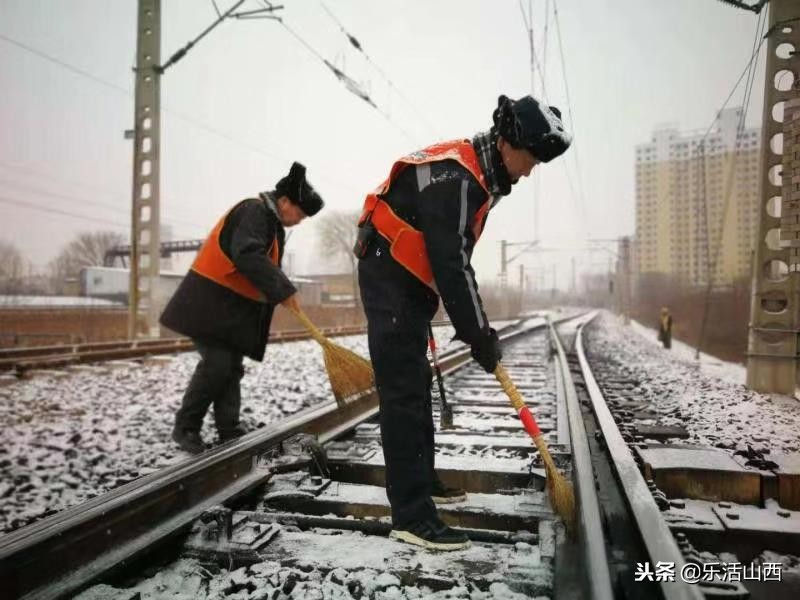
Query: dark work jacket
point(441, 203)
point(203, 309)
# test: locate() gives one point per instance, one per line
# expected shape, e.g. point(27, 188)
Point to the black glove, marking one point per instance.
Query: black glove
point(486, 351)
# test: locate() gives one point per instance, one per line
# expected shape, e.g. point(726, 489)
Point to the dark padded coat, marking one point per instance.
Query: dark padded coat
point(441, 200)
point(203, 309)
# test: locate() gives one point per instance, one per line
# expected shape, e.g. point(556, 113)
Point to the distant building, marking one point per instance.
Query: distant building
point(309, 291)
point(673, 235)
point(336, 288)
point(112, 283)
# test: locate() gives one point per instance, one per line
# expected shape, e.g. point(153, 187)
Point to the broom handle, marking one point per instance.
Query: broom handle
point(312, 329)
point(525, 415)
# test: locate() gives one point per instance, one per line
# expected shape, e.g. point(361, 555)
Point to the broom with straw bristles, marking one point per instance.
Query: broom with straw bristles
point(349, 374)
point(562, 497)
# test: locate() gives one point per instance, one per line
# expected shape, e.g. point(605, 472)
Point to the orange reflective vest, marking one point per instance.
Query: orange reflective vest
point(407, 244)
point(212, 263)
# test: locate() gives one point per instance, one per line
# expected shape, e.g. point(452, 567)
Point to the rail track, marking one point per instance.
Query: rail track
point(731, 512)
point(297, 509)
point(22, 361)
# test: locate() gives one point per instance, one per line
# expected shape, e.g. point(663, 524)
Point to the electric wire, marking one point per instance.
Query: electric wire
point(56, 211)
point(25, 187)
point(26, 171)
point(744, 73)
point(351, 84)
point(357, 45)
point(569, 106)
point(65, 65)
point(576, 195)
point(194, 122)
point(536, 68)
point(545, 36)
point(756, 8)
point(711, 265)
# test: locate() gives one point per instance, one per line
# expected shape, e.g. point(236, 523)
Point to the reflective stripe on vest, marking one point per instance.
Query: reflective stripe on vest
point(407, 244)
point(211, 262)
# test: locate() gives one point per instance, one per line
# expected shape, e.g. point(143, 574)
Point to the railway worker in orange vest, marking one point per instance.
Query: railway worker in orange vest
point(225, 302)
point(415, 242)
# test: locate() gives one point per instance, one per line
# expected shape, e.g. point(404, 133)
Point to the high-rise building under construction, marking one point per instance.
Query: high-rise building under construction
point(697, 202)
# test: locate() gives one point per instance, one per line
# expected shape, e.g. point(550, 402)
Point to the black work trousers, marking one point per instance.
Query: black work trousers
point(215, 381)
point(398, 313)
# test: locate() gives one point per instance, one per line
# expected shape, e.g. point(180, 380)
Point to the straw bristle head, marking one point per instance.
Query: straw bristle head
point(562, 497)
point(349, 373)
point(559, 488)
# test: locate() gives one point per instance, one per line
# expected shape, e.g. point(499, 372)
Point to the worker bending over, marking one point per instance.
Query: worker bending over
point(225, 302)
point(416, 237)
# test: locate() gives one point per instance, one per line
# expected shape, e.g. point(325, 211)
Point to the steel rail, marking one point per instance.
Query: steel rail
point(38, 357)
point(20, 352)
point(656, 537)
point(590, 529)
point(81, 543)
point(87, 540)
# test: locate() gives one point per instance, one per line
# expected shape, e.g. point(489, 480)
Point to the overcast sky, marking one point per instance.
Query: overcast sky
point(250, 98)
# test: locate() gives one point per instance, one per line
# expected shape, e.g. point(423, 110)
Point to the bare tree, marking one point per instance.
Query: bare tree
point(337, 235)
point(12, 268)
point(87, 250)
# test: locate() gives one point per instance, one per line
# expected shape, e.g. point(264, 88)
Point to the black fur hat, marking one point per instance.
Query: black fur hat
point(525, 123)
point(295, 187)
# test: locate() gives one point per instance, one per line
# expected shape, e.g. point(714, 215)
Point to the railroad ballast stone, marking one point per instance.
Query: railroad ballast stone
point(709, 401)
point(87, 433)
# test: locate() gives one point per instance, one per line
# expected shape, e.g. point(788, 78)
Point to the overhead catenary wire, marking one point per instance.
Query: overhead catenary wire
point(745, 71)
point(193, 121)
point(536, 68)
point(26, 187)
point(65, 65)
point(56, 211)
point(60, 180)
point(545, 38)
point(711, 265)
point(756, 7)
point(576, 195)
point(350, 83)
point(191, 43)
point(569, 104)
point(527, 21)
point(353, 40)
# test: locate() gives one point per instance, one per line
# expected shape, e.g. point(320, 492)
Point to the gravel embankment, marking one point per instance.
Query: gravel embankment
point(69, 437)
point(708, 399)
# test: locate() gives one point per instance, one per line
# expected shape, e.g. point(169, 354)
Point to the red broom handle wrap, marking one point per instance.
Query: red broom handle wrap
point(526, 416)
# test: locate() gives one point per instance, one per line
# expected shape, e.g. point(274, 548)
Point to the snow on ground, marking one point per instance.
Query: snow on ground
point(710, 401)
point(67, 439)
point(710, 365)
point(329, 563)
point(187, 579)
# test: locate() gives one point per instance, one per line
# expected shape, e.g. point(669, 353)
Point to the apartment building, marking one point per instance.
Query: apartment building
point(676, 229)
